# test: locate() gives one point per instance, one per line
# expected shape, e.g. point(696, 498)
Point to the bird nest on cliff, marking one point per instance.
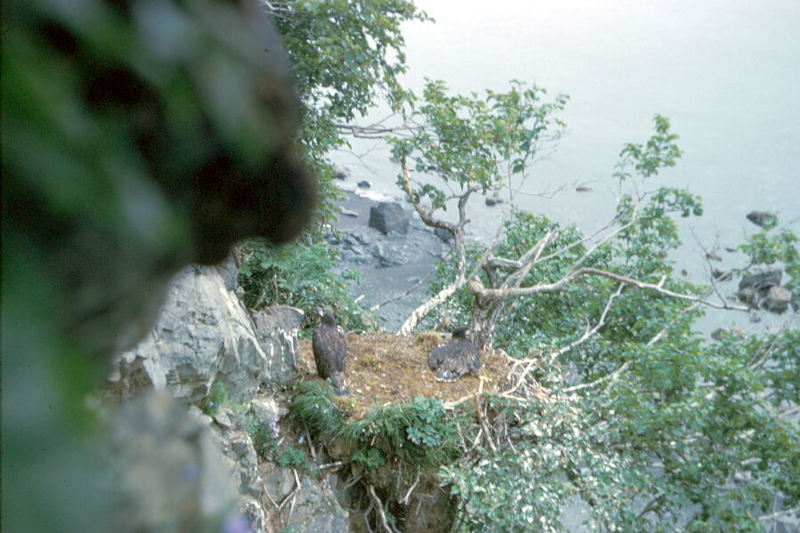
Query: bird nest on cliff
point(383, 368)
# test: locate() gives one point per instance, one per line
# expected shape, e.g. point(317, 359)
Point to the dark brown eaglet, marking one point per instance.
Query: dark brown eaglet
point(455, 359)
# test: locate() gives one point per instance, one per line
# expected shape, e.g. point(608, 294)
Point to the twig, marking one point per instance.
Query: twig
point(311, 447)
point(379, 506)
point(779, 514)
point(453, 404)
point(556, 286)
point(485, 427)
point(590, 332)
point(292, 492)
point(615, 374)
point(405, 498)
point(269, 497)
point(789, 411)
point(768, 351)
point(330, 465)
point(291, 496)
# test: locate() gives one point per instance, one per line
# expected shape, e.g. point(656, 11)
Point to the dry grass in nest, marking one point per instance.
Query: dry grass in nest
point(383, 368)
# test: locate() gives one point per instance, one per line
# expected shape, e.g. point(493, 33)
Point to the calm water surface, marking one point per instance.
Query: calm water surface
point(727, 73)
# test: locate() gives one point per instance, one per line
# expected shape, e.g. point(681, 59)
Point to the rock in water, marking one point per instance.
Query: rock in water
point(761, 280)
point(330, 352)
point(455, 359)
point(764, 219)
point(764, 290)
point(777, 300)
point(387, 217)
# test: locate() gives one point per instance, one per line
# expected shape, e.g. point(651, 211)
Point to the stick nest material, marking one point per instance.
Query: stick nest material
point(384, 368)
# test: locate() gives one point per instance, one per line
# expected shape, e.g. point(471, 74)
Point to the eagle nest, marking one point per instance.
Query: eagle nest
point(384, 368)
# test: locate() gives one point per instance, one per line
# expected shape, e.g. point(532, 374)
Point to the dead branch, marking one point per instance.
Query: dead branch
point(376, 130)
point(457, 230)
point(335, 464)
point(768, 351)
point(780, 514)
point(379, 507)
point(540, 288)
point(485, 426)
point(404, 499)
point(789, 412)
point(613, 376)
point(454, 403)
point(422, 311)
point(590, 332)
point(530, 258)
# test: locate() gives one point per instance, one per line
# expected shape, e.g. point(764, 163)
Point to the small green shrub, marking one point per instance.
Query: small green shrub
point(263, 436)
point(370, 458)
point(293, 458)
point(313, 409)
point(300, 275)
point(421, 433)
point(217, 397)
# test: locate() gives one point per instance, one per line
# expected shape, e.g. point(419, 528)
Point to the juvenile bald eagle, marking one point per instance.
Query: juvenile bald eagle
point(455, 359)
point(330, 352)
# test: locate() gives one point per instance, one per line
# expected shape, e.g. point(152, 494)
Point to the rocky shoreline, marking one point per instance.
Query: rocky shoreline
point(396, 265)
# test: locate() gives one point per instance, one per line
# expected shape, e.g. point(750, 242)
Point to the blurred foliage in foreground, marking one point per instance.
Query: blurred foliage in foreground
point(137, 137)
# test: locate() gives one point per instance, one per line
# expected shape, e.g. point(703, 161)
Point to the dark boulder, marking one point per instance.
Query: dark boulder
point(764, 290)
point(364, 184)
point(340, 172)
point(491, 202)
point(764, 219)
point(387, 217)
point(761, 280)
point(777, 299)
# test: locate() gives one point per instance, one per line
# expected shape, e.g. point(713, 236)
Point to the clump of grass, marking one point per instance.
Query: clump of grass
point(313, 407)
point(264, 438)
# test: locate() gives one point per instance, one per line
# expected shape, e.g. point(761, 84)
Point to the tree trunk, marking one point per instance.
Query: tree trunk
point(485, 315)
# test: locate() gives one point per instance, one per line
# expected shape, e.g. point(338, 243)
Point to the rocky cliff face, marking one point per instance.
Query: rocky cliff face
point(179, 466)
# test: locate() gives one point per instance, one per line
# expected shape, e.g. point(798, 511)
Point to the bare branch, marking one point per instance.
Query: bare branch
point(381, 513)
point(540, 288)
point(780, 514)
point(530, 258)
point(422, 311)
point(457, 230)
point(590, 332)
point(372, 132)
point(404, 499)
